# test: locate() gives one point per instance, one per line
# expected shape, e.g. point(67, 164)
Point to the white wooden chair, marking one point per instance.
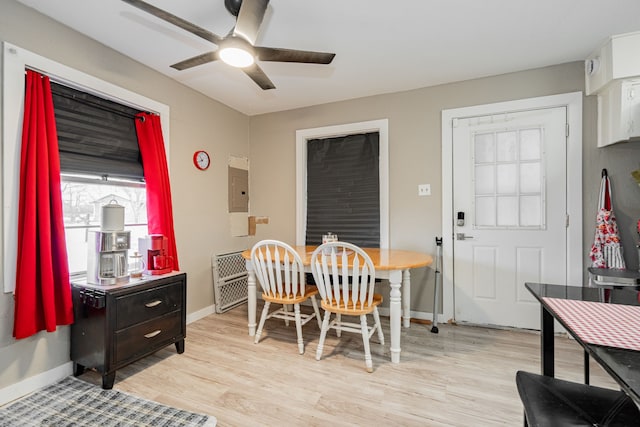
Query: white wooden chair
point(280, 273)
point(345, 277)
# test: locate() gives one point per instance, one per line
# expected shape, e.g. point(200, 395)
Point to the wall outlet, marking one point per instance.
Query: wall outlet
point(424, 189)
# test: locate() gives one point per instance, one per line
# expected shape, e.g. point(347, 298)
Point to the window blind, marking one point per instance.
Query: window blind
point(343, 189)
point(96, 136)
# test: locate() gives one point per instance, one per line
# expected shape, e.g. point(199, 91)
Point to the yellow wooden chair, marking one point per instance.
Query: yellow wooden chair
point(280, 273)
point(345, 277)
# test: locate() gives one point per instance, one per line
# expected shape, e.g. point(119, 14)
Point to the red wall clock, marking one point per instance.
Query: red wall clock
point(201, 160)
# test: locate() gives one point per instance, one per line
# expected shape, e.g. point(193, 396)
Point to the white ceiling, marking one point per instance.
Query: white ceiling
point(381, 46)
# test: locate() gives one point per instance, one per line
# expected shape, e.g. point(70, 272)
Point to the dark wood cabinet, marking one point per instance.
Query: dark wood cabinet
point(117, 325)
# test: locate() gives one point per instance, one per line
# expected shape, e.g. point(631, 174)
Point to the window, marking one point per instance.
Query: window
point(15, 61)
point(82, 201)
point(304, 137)
point(508, 179)
point(343, 189)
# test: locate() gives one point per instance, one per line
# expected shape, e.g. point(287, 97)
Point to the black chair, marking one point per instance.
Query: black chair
point(552, 402)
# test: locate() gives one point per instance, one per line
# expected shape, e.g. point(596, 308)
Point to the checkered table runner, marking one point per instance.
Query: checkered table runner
point(612, 325)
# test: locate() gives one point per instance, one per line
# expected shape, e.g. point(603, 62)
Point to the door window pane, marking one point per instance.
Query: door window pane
point(509, 179)
point(530, 144)
point(530, 177)
point(506, 146)
point(485, 211)
point(484, 179)
point(530, 211)
point(484, 148)
point(507, 211)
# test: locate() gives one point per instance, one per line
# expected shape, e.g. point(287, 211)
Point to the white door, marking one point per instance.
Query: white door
point(509, 184)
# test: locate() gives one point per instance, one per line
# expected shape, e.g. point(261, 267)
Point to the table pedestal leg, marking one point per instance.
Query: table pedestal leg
point(251, 300)
point(395, 314)
point(406, 298)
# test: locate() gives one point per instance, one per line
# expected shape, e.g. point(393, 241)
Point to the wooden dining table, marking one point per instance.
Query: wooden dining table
point(390, 264)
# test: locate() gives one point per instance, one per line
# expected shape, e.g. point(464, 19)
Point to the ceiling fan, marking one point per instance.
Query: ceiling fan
point(238, 47)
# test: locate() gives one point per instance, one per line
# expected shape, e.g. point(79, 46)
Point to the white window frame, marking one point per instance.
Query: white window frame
point(302, 138)
point(15, 61)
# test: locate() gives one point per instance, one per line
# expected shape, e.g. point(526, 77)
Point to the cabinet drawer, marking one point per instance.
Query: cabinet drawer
point(145, 305)
point(145, 338)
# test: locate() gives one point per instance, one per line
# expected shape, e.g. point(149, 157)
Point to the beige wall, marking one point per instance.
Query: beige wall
point(199, 198)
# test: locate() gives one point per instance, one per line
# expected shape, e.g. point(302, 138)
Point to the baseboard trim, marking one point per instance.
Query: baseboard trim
point(423, 316)
point(35, 382)
point(197, 315)
point(384, 311)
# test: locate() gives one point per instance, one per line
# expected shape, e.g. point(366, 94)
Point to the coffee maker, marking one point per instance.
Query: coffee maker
point(107, 257)
point(154, 253)
point(107, 249)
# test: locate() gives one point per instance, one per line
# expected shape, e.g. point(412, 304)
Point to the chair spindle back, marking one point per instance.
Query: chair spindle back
point(344, 274)
point(278, 268)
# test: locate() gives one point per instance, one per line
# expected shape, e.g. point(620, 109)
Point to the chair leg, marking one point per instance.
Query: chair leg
point(376, 317)
point(316, 310)
point(365, 340)
point(285, 308)
point(339, 324)
point(323, 334)
point(296, 310)
point(265, 312)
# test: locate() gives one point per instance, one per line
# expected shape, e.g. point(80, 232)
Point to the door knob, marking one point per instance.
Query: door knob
point(461, 236)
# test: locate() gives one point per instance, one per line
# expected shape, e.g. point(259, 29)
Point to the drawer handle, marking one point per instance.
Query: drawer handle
point(153, 303)
point(152, 334)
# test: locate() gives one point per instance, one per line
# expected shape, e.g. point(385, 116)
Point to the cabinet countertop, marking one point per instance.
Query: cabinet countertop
point(132, 282)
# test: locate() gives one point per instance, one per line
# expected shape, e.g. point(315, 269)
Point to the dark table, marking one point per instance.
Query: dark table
point(622, 364)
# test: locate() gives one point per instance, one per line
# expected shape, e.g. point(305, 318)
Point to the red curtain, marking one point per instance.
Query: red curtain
point(156, 176)
point(42, 292)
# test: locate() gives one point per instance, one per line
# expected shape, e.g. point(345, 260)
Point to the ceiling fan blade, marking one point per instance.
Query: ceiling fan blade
point(175, 20)
point(258, 76)
point(196, 60)
point(291, 55)
point(249, 19)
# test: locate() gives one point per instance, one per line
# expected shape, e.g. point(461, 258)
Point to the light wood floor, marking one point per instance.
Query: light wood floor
point(463, 376)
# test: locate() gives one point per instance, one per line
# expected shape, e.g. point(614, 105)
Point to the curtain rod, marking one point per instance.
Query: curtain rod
point(73, 85)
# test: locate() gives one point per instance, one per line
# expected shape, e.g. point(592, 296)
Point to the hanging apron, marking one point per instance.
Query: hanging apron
point(606, 251)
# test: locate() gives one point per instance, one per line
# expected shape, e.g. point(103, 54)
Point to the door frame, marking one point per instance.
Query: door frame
point(573, 103)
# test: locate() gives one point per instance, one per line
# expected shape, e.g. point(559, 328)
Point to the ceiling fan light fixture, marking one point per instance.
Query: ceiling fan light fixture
point(236, 52)
point(236, 57)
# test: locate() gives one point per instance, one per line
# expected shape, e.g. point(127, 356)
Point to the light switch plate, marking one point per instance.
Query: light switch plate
point(424, 189)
